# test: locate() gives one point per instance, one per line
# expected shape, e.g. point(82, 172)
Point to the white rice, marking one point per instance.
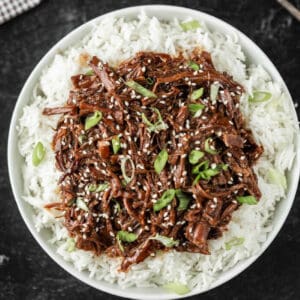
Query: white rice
point(114, 40)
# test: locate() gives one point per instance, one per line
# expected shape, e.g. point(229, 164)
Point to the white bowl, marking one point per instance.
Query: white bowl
point(15, 161)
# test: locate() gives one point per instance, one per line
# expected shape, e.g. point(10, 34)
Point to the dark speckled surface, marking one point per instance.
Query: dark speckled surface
point(29, 273)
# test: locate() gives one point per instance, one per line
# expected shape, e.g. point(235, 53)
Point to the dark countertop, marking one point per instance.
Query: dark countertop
point(29, 273)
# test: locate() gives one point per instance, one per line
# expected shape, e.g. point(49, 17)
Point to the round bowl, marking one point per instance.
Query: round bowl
point(254, 54)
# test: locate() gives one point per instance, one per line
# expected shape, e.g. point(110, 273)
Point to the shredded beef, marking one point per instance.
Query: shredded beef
point(86, 157)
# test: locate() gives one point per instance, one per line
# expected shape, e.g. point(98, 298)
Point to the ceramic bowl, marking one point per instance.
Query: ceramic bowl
point(254, 54)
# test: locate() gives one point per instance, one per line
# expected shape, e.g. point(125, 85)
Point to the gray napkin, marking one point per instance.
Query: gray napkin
point(11, 8)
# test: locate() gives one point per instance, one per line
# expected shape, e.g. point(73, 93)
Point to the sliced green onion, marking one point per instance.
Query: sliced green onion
point(196, 94)
point(166, 241)
point(90, 73)
point(194, 66)
point(207, 174)
point(81, 138)
point(120, 244)
point(70, 245)
point(126, 236)
point(164, 200)
point(184, 200)
point(214, 90)
point(277, 177)
point(177, 287)
point(102, 187)
point(196, 109)
point(117, 207)
point(93, 120)
point(237, 241)
point(224, 167)
point(207, 146)
point(157, 126)
point(123, 169)
point(140, 89)
point(200, 167)
point(160, 161)
point(195, 156)
point(38, 153)
point(251, 200)
point(150, 80)
point(191, 25)
point(203, 172)
point(116, 145)
point(259, 96)
point(81, 204)
point(92, 187)
point(98, 188)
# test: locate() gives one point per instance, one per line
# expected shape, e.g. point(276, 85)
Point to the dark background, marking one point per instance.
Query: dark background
point(30, 273)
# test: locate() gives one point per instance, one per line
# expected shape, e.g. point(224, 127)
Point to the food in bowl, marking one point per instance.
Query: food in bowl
point(93, 189)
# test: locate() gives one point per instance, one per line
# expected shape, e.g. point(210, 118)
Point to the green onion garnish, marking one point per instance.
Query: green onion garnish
point(150, 80)
point(98, 188)
point(184, 200)
point(123, 169)
point(276, 177)
point(120, 244)
point(191, 25)
point(81, 138)
point(116, 145)
point(251, 200)
point(70, 245)
point(164, 200)
point(177, 287)
point(197, 94)
point(166, 241)
point(160, 161)
point(81, 204)
point(92, 187)
point(200, 167)
point(214, 90)
point(90, 73)
point(237, 241)
point(203, 172)
point(157, 126)
point(38, 154)
point(195, 156)
point(196, 109)
point(208, 148)
point(117, 207)
point(102, 187)
point(93, 120)
point(260, 96)
point(194, 66)
point(126, 236)
point(207, 174)
point(140, 89)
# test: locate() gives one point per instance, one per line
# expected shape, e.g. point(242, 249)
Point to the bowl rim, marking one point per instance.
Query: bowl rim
point(12, 142)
